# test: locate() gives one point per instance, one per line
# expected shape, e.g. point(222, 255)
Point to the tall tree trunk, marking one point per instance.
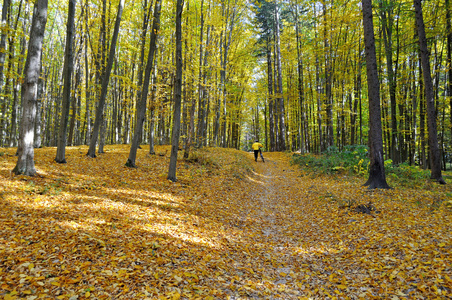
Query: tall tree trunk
point(318, 89)
point(152, 119)
point(356, 100)
point(377, 178)
point(102, 133)
point(449, 59)
point(387, 23)
point(16, 81)
point(279, 92)
point(191, 126)
point(71, 140)
point(67, 75)
point(37, 139)
point(4, 25)
point(328, 82)
point(423, 157)
point(177, 93)
point(435, 155)
point(141, 106)
point(25, 162)
point(105, 80)
point(201, 87)
point(302, 115)
point(271, 99)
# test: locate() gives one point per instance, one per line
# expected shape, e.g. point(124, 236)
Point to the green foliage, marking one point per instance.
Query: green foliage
point(405, 174)
point(351, 160)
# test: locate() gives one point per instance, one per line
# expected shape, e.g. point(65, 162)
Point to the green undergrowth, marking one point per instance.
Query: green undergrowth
point(233, 161)
point(354, 161)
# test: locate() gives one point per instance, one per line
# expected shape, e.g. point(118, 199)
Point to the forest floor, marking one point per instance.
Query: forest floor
point(229, 228)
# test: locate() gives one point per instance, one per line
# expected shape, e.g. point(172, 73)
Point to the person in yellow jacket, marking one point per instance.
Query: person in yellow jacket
point(257, 147)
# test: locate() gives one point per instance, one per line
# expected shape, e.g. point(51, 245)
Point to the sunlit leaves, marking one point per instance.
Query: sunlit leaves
point(228, 227)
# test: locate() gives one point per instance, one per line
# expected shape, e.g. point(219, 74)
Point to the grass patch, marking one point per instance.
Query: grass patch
point(351, 160)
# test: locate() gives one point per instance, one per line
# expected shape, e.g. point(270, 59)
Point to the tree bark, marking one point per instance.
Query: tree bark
point(177, 94)
point(449, 59)
point(328, 83)
point(377, 178)
point(271, 99)
point(141, 106)
point(105, 80)
point(387, 23)
point(25, 162)
point(435, 155)
point(4, 26)
point(67, 74)
point(279, 92)
point(71, 140)
point(201, 87)
point(302, 117)
point(37, 135)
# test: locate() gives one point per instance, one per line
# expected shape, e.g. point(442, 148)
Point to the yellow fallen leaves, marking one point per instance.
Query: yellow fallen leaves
point(95, 229)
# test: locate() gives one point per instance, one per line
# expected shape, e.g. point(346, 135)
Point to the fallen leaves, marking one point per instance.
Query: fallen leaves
point(94, 229)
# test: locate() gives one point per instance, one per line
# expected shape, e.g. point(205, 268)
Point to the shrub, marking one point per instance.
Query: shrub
point(352, 160)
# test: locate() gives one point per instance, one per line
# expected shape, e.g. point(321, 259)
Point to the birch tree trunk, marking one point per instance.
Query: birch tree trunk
point(105, 80)
point(25, 162)
point(37, 143)
point(435, 155)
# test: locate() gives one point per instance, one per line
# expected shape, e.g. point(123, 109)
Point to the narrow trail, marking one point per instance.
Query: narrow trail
point(271, 230)
point(296, 242)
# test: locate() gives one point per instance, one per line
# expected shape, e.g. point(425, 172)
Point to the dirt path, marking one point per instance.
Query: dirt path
point(269, 223)
point(297, 243)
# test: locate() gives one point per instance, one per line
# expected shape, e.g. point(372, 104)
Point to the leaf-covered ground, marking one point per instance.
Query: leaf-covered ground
point(230, 228)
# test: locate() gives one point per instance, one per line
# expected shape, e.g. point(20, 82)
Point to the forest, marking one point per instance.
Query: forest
point(290, 73)
point(98, 98)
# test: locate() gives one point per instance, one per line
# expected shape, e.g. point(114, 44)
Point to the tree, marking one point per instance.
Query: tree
point(67, 76)
point(387, 24)
point(201, 138)
point(25, 162)
point(449, 60)
point(265, 21)
point(141, 106)
point(300, 83)
point(435, 155)
point(4, 25)
point(177, 93)
point(377, 178)
point(279, 85)
point(105, 80)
